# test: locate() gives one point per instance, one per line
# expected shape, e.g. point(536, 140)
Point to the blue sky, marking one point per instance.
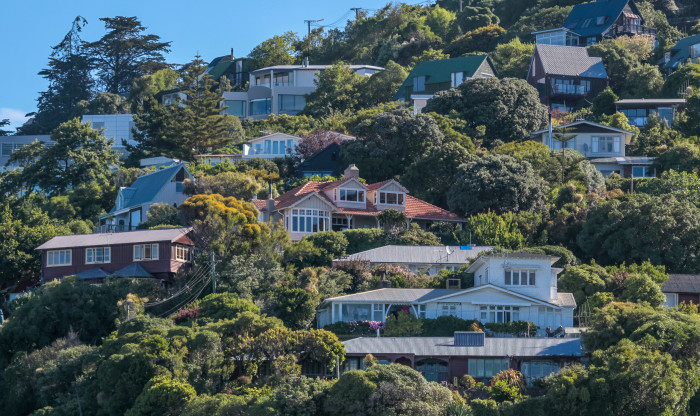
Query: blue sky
point(28, 29)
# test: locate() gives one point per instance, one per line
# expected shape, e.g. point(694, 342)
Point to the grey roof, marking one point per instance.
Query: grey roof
point(570, 60)
point(146, 187)
point(133, 270)
point(682, 283)
point(96, 273)
point(514, 255)
point(565, 299)
point(635, 101)
point(109, 239)
point(626, 160)
point(579, 123)
point(312, 67)
point(681, 51)
point(444, 346)
point(420, 254)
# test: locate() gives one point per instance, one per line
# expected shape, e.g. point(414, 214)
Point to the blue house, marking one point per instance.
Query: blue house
point(164, 186)
point(687, 50)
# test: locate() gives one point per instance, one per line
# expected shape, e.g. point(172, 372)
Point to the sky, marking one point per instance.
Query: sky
point(28, 29)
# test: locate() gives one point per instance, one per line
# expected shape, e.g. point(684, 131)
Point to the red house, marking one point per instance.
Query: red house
point(156, 254)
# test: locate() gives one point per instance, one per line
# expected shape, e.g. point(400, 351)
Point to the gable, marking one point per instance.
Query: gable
point(489, 295)
point(352, 183)
point(392, 186)
point(313, 201)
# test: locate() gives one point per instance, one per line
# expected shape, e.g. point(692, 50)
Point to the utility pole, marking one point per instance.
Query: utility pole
point(308, 24)
point(460, 5)
point(357, 11)
point(213, 273)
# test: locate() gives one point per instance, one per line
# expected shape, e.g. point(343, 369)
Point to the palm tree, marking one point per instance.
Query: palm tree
point(563, 134)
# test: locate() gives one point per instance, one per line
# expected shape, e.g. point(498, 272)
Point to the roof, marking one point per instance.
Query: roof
point(577, 125)
point(514, 255)
point(96, 273)
point(277, 133)
point(651, 101)
point(110, 239)
point(444, 347)
point(325, 160)
point(146, 187)
point(626, 160)
point(681, 51)
point(133, 270)
point(420, 254)
point(441, 70)
point(312, 68)
point(682, 283)
point(578, 19)
point(570, 61)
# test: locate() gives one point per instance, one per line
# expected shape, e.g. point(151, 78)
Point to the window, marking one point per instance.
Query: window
point(600, 20)
point(499, 314)
point(421, 311)
point(145, 252)
point(182, 253)
point(586, 23)
point(643, 172)
point(378, 312)
point(556, 144)
point(340, 224)
point(695, 51)
point(419, 84)
point(291, 104)
point(58, 258)
point(519, 277)
point(391, 198)
point(260, 107)
point(449, 309)
point(235, 107)
point(263, 80)
point(486, 367)
point(7, 149)
point(283, 78)
point(457, 78)
point(97, 255)
point(356, 312)
point(98, 125)
point(309, 220)
point(606, 144)
point(590, 41)
point(539, 369)
point(352, 195)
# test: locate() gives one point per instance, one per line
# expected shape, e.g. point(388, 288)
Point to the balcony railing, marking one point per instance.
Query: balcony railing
point(112, 228)
point(569, 89)
point(633, 29)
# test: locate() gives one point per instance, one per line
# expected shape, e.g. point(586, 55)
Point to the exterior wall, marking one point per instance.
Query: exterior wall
point(364, 221)
point(485, 70)
point(8, 144)
point(313, 202)
point(334, 195)
point(120, 256)
point(117, 127)
point(249, 149)
point(545, 279)
point(389, 187)
point(583, 143)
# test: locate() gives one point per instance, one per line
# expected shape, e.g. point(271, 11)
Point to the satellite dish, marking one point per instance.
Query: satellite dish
point(447, 250)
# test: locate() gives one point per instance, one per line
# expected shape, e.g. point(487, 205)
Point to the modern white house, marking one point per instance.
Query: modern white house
point(9, 144)
point(271, 146)
point(116, 126)
point(507, 287)
point(280, 89)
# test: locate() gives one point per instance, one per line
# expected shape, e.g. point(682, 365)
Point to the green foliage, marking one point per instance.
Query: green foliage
point(159, 215)
point(512, 59)
point(228, 184)
point(403, 325)
point(471, 18)
point(278, 50)
point(604, 103)
point(583, 281)
point(295, 307)
point(497, 183)
point(301, 396)
point(162, 395)
point(517, 328)
point(392, 219)
point(318, 249)
point(536, 18)
point(483, 102)
point(618, 61)
point(482, 39)
point(686, 76)
point(643, 81)
point(361, 239)
point(494, 230)
point(337, 90)
point(682, 156)
point(217, 306)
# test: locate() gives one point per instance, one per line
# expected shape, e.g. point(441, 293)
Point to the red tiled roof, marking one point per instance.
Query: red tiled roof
point(415, 208)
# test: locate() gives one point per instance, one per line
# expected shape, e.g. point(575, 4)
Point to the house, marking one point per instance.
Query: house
point(157, 162)
point(280, 89)
point(344, 204)
point(325, 162)
point(638, 110)
point(684, 51)
point(507, 287)
point(271, 146)
point(444, 358)
point(430, 77)
point(681, 288)
point(215, 159)
point(163, 186)
point(589, 23)
point(118, 127)
point(418, 259)
point(8, 145)
point(604, 146)
point(159, 254)
point(565, 77)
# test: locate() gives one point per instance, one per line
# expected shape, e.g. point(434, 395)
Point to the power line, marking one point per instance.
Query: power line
point(198, 275)
point(308, 23)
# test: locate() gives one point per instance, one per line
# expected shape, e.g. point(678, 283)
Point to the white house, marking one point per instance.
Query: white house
point(507, 287)
point(271, 146)
point(118, 127)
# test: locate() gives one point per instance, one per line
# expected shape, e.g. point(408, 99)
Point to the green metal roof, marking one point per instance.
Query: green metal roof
point(439, 71)
point(218, 67)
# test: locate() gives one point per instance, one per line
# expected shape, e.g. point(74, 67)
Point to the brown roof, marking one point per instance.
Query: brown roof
point(416, 208)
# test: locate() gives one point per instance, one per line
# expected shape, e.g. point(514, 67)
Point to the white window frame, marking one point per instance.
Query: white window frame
point(400, 198)
point(141, 248)
point(499, 313)
point(91, 255)
point(598, 142)
point(182, 253)
point(53, 258)
point(449, 308)
point(530, 277)
point(343, 192)
point(313, 219)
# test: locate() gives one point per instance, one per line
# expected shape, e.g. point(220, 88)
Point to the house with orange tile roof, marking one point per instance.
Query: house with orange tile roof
point(344, 204)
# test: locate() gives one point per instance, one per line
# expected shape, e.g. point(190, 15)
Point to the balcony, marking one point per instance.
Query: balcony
point(630, 29)
point(112, 228)
point(566, 89)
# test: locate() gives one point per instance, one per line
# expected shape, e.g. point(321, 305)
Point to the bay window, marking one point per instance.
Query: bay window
point(95, 255)
point(391, 198)
point(182, 253)
point(144, 252)
point(309, 220)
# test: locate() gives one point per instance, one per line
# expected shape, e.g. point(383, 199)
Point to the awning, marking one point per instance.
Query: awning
point(133, 270)
point(631, 15)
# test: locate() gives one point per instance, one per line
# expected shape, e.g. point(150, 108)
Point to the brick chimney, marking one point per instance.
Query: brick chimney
point(352, 172)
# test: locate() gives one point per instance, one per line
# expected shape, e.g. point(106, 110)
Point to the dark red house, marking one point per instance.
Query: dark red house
point(156, 254)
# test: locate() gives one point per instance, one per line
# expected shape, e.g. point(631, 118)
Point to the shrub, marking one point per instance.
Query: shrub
point(467, 381)
point(445, 326)
point(404, 325)
point(517, 328)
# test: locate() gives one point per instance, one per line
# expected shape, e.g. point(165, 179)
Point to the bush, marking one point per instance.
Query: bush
point(467, 381)
point(356, 328)
point(517, 328)
point(361, 239)
point(404, 325)
point(446, 326)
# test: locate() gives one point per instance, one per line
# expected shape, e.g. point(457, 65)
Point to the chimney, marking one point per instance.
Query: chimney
point(269, 204)
point(352, 172)
point(232, 54)
point(383, 283)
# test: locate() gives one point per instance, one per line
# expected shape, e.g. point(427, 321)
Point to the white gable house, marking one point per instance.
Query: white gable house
point(507, 287)
point(271, 146)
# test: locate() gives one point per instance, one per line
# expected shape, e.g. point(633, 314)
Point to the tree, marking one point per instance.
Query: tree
point(399, 134)
point(662, 230)
point(691, 125)
point(69, 80)
point(151, 85)
point(103, 103)
point(683, 156)
point(313, 143)
point(618, 61)
point(239, 185)
point(295, 307)
point(495, 230)
point(162, 395)
point(497, 183)
point(482, 39)
point(583, 281)
point(392, 219)
point(604, 103)
point(471, 18)
point(278, 50)
point(382, 86)
point(684, 186)
point(430, 178)
point(125, 53)
point(337, 90)
point(643, 81)
point(535, 19)
point(442, 22)
point(160, 215)
point(512, 59)
point(509, 108)
point(5, 122)
point(686, 76)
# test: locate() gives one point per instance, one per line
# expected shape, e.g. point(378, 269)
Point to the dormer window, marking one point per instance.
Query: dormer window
point(419, 84)
point(520, 277)
point(352, 195)
point(391, 198)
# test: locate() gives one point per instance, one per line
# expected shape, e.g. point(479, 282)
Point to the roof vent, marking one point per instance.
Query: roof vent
point(469, 339)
